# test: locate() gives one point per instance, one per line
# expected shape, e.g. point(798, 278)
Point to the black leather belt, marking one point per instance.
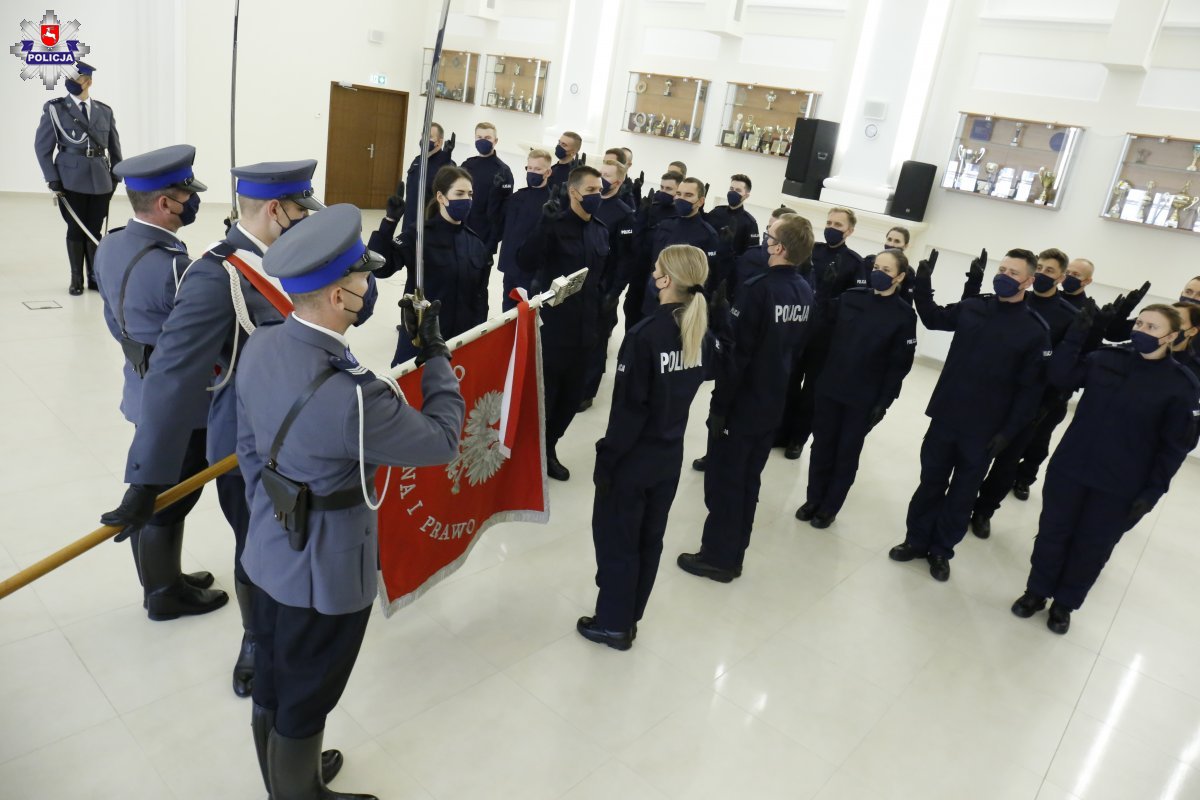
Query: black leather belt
point(90, 152)
point(346, 498)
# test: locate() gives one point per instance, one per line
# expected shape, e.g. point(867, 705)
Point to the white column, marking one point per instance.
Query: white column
point(886, 99)
point(581, 88)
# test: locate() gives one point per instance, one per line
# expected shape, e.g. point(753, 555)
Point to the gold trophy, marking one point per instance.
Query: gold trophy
point(1147, 201)
point(1181, 202)
point(1119, 193)
point(1047, 177)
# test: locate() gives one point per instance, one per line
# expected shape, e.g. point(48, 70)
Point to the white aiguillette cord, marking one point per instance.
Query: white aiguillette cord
point(362, 461)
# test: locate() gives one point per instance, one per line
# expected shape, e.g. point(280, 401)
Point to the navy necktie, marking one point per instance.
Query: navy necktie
point(83, 110)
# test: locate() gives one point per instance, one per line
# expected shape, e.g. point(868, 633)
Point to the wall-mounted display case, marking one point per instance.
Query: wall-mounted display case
point(456, 77)
point(671, 106)
point(515, 83)
point(1015, 160)
point(762, 119)
point(1157, 183)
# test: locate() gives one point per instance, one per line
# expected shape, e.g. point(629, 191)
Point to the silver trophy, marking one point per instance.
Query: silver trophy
point(1016, 137)
point(1147, 201)
point(667, 90)
point(1195, 158)
point(771, 98)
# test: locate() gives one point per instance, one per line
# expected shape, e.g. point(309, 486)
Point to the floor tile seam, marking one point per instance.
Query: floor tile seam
point(1169, 756)
point(146, 704)
point(88, 616)
point(59, 740)
point(149, 759)
point(392, 756)
point(410, 718)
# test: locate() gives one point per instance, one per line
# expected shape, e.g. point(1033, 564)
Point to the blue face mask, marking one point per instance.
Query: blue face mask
point(880, 281)
point(833, 237)
point(604, 186)
point(73, 87)
point(188, 213)
point(1071, 284)
point(430, 146)
point(1144, 343)
point(733, 198)
point(591, 203)
point(1005, 285)
point(560, 152)
point(1042, 283)
point(683, 207)
point(534, 180)
point(458, 210)
point(365, 311)
point(663, 198)
point(484, 147)
point(1192, 301)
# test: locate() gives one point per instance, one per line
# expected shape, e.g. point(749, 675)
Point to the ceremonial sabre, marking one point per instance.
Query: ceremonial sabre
point(61, 198)
point(233, 210)
point(419, 270)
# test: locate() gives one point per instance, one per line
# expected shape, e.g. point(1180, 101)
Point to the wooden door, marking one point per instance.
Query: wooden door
point(366, 140)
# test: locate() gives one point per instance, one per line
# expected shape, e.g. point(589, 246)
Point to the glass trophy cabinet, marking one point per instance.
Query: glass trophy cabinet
point(1014, 160)
point(1156, 183)
point(515, 83)
point(762, 119)
point(671, 106)
point(456, 77)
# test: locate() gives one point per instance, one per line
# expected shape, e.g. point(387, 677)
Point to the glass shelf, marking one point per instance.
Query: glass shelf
point(1015, 160)
point(762, 119)
point(667, 106)
point(456, 76)
point(1156, 184)
point(515, 83)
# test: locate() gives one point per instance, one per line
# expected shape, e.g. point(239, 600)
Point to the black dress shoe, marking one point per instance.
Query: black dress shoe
point(805, 512)
point(556, 470)
point(700, 463)
point(695, 564)
point(75, 290)
point(617, 640)
point(1021, 491)
point(821, 521)
point(904, 552)
point(1060, 619)
point(939, 568)
point(981, 526)
point(793, 451)
point(1028, 604)
point(586, 404)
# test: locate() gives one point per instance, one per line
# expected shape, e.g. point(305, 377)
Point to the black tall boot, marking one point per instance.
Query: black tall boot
point(89, 250)
point(168, 595)
point(293, 770)
point(76, 253)
point(243, 668)
point(262, 722)
point(201, 580)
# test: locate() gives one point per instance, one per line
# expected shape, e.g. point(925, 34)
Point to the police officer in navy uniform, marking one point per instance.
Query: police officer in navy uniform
point(988, 391)
point(1132, 429)
point(563, 242)
point(311, 421)
point(874, 338)
point(754, 260)
point(1183, 349)
point(618, 217)
point(735, 216)
point(688, 226)
point(1015, 468)
point(656, 209)
point(770, 322)
point(81, 172)
point(456, 260)
point(440, 152)
point(567, 153)
point(1080, 272)
point(522, 213)
point(492, 182)
point(139, 268)
point(207, 329)
point(662, 362)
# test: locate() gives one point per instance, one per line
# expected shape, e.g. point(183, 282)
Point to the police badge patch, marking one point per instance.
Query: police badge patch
point(49, 52)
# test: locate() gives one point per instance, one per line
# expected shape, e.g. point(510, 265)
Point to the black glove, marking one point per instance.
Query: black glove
point(1134, 299)
point(1139, 509)
point(716, 425)
point(718, 308)
point(1082, 324)
point(395, 203)
point(137, 506)
point(423, 329)
point(602, 478)
point(926, 266)
point(978, 266)
point(638, 183)
point(996, 446)
point(828, 282)
point(705, 190)
point(726, 234)
point(553, 206)
point(448, 147)
point(580, 160)
point(876, 416)
point(56, 186)
point(609, 304)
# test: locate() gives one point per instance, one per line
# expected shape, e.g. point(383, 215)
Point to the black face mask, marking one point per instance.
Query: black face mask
point(291, 222)
point(187, 214)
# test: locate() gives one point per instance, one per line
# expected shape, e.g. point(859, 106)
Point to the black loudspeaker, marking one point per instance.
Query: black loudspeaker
point(811, 158)
point(912, 190)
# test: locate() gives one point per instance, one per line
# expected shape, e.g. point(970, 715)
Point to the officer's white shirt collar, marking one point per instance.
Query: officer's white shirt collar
point(254, 260)
point(79, 102)
point(342, 340)
point(174, 236)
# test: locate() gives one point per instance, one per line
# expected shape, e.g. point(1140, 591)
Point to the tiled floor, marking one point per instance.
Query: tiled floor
point(825, 672)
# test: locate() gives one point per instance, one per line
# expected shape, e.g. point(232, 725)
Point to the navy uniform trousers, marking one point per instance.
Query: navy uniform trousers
point(310, 654)
point(231, 495)
point(952, 467)
point(627, 528)
point(839, 432)
point(92, 210)
point(193, 462)
point(1039, 447)
point(1077, 532)
point(731, 484)
point(1025, 452)
point(564, 372)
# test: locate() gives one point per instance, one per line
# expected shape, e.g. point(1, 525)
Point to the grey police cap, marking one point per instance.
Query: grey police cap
point(160, 169)
point(320, 249)
point(279, 180)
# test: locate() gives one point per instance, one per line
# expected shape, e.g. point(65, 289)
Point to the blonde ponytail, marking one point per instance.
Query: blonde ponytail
point(687, 267)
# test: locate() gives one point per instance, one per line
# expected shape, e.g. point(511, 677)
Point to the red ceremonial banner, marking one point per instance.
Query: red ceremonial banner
point(431, 517)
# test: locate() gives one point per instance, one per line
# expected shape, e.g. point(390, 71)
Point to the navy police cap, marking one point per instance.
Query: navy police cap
point(324, 248)
point(279, 180)
point(158, 169)
point(84, 68)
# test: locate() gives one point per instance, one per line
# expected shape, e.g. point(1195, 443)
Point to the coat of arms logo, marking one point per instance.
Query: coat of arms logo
point(479, 455)
point(49, 50)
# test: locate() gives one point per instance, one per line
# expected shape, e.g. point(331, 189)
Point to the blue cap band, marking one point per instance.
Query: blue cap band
point(270, 191)
point(148, 183)
point(327, 274)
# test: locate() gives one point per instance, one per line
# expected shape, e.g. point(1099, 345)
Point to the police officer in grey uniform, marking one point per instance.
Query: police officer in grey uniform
point(313, 427)
point(207, 328)
point(81, 173)
point(139, 267)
